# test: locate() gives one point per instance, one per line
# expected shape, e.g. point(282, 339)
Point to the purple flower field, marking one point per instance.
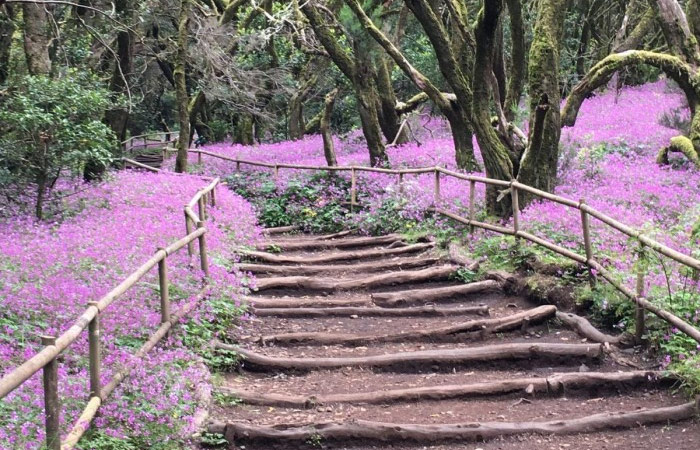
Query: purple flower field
point(52, 270)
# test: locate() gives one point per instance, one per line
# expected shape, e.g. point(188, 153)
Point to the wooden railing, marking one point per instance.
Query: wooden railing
point(514, 187)
point(46, 359)
point(145, 141)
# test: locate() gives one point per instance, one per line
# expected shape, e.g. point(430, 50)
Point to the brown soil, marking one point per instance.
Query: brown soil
point(513, 407)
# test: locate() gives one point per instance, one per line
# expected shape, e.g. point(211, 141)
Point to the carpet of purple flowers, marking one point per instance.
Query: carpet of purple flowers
point(50, 271)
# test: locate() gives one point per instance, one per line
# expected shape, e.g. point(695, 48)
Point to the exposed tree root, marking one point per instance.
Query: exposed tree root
point(393, 264)
point(583, 327)
point(331, 285)
point(552, 385)
point(457, 257)
point(442, 356)
point(471, 431)
point(334, 257)
point(430, 310)
point(428, 295)
point(315, 244)
point(294, 303)
point(485, 326)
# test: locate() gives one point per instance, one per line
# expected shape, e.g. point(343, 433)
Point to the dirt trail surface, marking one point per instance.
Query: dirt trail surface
point(370, 343)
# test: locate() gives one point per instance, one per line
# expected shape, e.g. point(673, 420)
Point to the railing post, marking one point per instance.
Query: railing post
point(203, 258)
point(199, 158)
point(277, 173)
point(202, 208)
point(51, 404)
point(353, 188)
point(639, 317)
point(586, 226)
point(436, 198)
point(95, 356)
point(213, 196)
point(163, 283)
point(472, 206)
point(516, 208)
point(188, 229)
point(238, 166)
point(400, 182)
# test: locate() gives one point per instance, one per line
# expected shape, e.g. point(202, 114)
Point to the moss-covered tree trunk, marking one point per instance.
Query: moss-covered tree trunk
point(389, 119)
point(328, 145)
point(243, 129)
point(517, 70)
point(182, 97)
point(37, 38)
point(7, 28)
point(497, 160)
point(539, 163)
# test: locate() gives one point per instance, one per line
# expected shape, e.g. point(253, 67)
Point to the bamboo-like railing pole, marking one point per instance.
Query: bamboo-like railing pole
point(203, 257)
point(353, 188)
point(202, 208)
point(516, 208)
point(588, 246)
point(472, 203)
point(401, 183)
point(164, 294)
point(95, 353)
point(52, 406)
point(639, 316)
point(436, 192)
point(188, 229)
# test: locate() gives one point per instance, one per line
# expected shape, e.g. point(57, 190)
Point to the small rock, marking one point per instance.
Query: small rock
point(354, 316)
point(583, 368)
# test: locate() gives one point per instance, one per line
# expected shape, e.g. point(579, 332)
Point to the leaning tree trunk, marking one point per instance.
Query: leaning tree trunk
point(182, 97)
point(539, 163)
point(328, 146)
point(389, 119)
point(518, 64)
point(367, 101)
point(37, 38)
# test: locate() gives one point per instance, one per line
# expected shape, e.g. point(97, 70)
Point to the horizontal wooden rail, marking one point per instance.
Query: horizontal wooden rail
point(515, 186)
point(53, 347)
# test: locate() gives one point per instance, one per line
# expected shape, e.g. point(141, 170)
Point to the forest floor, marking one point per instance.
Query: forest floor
point(370, 343)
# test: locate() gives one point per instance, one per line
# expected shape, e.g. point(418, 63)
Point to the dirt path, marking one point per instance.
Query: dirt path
point(369, 343)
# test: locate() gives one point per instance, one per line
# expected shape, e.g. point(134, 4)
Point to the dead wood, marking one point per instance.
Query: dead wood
point(552, 385)
point(583, 327)
point(334, 257)
point(497, 325)
point(295, 302)
point(314, 244)
point(442, 356)
point(457, 257)
point(471, 431)
point(392, 264)
point(430, 310)
point(330, 285)
point(429, 295)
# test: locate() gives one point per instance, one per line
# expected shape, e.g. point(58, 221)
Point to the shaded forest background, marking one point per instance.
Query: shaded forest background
point(78, 77)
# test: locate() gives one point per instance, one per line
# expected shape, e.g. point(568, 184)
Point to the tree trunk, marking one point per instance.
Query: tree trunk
point(518, 64)
point(117, 119)
point(182, 97)
point(539, 163)
point(37, 38)
point(243, 132)
point(7, 28)
point(497, 159)
point(389, 119)
point(328, 146)
point(367, 101)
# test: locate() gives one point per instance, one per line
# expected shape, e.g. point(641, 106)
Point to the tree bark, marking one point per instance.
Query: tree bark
point(539, 163)
point(497, 160)
point(117, 119)
point(328, 145)
point(37, 38)
point(518, 64)
point(7, 28)
point(182, 96)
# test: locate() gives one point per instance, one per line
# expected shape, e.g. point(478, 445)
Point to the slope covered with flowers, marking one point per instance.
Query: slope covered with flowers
point(50, 271)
